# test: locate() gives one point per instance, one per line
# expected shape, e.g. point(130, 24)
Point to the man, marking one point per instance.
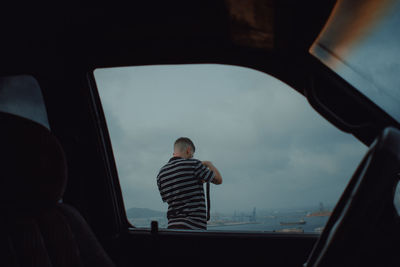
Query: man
point(180, 182)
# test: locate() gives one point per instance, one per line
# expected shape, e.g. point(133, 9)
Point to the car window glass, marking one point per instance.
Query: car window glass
point(283, 166)
point(21, 95)
point(361, 44)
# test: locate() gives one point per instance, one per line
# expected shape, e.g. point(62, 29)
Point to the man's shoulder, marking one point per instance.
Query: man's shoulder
point(193, 162)
point(180, 161)
point(196, 161)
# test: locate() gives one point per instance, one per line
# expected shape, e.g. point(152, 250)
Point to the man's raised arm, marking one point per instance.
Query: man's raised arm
point(218, 178)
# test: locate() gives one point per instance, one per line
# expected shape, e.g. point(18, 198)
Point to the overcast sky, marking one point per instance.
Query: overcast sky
point(272, 149)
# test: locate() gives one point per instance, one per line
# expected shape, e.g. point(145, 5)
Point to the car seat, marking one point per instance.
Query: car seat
point(37, 229)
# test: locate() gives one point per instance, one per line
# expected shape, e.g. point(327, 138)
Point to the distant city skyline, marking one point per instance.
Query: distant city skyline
point(298, 221)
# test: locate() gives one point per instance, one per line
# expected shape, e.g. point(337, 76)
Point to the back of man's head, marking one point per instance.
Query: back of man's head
point(182, 143)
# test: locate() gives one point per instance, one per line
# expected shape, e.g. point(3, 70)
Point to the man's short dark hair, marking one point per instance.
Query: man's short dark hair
point(183, 142)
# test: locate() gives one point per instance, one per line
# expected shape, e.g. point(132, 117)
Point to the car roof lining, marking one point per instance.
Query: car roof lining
point(269, 36)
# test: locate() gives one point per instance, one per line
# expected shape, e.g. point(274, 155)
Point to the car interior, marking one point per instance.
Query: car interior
point(61, 198)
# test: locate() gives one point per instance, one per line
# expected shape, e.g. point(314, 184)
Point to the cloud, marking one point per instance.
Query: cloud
point(272, 149)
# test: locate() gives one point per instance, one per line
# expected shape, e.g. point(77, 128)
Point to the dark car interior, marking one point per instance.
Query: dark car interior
point(61, 199)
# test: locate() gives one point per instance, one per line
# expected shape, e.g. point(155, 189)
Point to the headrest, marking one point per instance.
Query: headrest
point(33, 170)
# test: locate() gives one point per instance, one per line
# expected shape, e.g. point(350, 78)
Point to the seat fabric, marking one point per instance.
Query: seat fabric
point(36, 228)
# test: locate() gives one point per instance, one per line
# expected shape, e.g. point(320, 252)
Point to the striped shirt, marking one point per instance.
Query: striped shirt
point(180, 184)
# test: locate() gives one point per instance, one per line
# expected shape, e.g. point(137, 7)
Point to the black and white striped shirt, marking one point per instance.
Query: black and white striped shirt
point(180, 184)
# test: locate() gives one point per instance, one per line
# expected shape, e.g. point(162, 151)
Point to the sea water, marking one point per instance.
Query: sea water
point(312, 225)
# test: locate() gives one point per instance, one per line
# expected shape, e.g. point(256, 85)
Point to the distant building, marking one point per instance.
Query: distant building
point(253, 217)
